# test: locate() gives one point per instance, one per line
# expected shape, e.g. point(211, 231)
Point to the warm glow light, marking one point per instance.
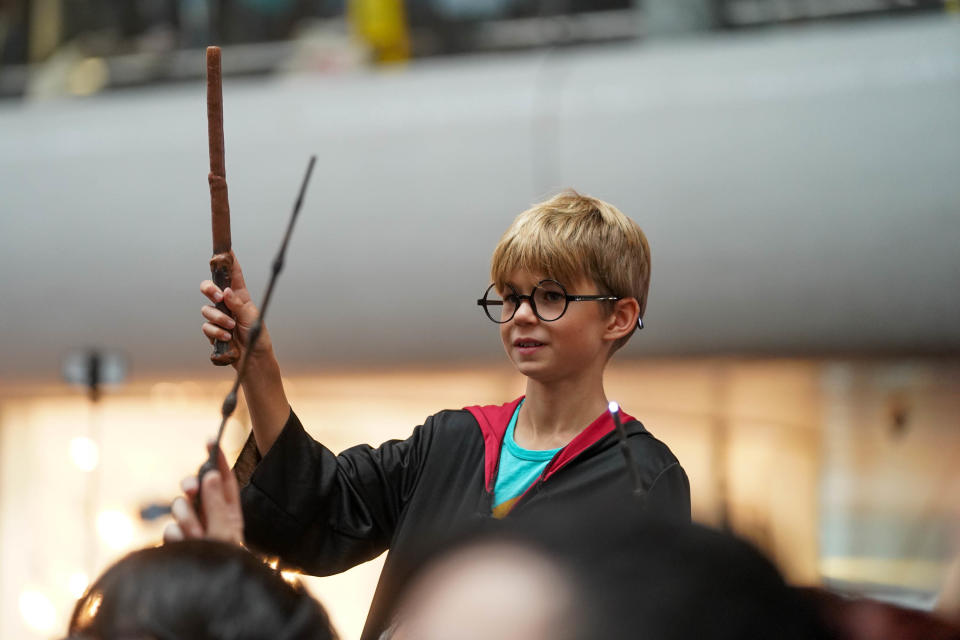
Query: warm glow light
point(292, 577)
point(37, 611)
point(89, 609)
point(78, 583)
point(84, 453)
point(115, 529)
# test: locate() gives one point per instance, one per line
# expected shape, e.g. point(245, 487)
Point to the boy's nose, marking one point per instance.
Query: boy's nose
point(525, 312)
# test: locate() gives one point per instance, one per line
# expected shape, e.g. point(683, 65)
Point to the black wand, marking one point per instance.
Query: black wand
point(628, 459)
point(230, 402)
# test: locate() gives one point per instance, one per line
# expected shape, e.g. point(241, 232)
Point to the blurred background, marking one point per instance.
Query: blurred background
point(794, 164)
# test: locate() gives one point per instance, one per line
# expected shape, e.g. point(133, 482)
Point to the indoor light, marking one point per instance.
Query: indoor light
point(84, 453)
point(37, 611)
point(77, 583)
point(115, 529)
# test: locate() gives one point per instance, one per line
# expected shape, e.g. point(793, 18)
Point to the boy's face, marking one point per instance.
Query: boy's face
point(565, 348)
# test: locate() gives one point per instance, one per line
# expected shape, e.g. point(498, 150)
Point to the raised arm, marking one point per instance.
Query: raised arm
point(227, 290)
point(262, 385)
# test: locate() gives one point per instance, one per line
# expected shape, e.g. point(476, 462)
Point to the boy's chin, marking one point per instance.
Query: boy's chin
point(535, 371)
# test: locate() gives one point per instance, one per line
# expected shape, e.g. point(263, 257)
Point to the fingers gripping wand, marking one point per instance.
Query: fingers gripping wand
point(230, 402)
point(222, 261)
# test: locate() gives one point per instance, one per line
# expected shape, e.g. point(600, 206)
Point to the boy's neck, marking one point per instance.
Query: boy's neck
point(554, 414)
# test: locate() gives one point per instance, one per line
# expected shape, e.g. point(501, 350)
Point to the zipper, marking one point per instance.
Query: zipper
point(534, 488)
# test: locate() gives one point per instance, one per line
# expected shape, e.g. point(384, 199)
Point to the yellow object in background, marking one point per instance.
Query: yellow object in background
point(46, 28)
point(382, 24)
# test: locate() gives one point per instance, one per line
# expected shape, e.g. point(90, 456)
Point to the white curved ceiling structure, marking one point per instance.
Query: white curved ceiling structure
point(799, 189)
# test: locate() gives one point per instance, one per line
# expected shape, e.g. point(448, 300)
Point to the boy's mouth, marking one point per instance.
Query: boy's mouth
point(524, 343)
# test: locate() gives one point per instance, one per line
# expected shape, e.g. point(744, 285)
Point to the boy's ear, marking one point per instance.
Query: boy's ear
point(623, 320)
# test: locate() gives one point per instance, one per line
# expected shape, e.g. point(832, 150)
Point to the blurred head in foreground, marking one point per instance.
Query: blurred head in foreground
point(605, 574)
point(197, 589)
point(490, 589)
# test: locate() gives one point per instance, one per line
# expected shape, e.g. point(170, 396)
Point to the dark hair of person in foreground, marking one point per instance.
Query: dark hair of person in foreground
point(197, 589)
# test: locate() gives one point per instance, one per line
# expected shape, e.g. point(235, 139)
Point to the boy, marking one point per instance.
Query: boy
point(570, 279)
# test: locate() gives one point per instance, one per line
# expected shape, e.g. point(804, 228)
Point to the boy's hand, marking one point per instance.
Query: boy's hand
point(262, 384)
point(220, 326)
point(222, 518)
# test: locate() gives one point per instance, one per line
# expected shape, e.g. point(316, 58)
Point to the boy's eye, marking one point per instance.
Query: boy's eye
point(511, 298)
point(553, 296)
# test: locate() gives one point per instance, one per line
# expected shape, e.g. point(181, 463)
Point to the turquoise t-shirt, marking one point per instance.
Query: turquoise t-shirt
point(519, 468)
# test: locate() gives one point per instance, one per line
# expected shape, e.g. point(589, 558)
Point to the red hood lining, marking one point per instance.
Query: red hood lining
point(493, 421)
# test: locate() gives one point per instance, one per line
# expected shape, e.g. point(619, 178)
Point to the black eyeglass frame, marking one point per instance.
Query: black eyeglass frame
point(486, 304)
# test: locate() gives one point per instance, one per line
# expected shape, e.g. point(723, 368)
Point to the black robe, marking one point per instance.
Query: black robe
point(324, 513)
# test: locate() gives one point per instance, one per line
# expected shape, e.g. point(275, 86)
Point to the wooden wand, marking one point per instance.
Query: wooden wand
point(222, 261)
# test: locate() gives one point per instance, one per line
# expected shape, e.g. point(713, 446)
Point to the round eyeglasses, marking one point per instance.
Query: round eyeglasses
point(548, 300)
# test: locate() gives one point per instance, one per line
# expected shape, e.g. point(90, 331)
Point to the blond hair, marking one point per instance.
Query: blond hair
point(571, 236)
